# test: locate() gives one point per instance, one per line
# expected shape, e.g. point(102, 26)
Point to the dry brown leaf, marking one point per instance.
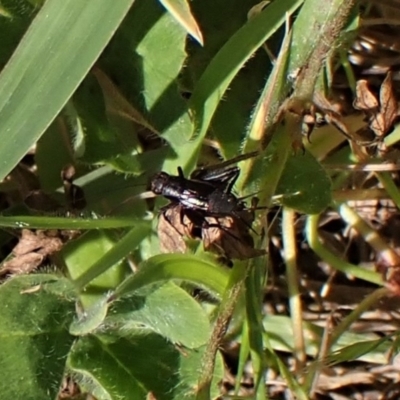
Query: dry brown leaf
point(382, 114)
point(31, 250)
point(23, 264)
point(173, 225)
point(226, 236)
point(327, 382)
point(388, 112)
point(229, 237)
point(365, 100)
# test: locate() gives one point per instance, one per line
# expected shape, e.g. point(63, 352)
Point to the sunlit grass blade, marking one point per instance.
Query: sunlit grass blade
point(177, 266)
point(46, 222)
point(181, 12)
point(61, 45)
point(231, 58)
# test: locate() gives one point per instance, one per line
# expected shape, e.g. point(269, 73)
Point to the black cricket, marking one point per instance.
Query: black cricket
point(207, 193)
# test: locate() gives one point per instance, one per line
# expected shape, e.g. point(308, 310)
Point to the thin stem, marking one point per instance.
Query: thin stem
point(365, 305)
point(391, 188)
point(333, 260)
point(290, 255)
point(254, 290)
point(231, 295)
point(369, 234)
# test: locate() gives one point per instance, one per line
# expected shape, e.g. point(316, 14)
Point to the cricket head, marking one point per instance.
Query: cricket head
point(159, 182)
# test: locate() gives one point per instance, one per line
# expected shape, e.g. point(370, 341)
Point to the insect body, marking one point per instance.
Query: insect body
point(204, 203)
point(213, 198)
point(190, 193)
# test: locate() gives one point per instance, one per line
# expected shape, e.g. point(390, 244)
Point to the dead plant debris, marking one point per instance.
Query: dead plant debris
point(32, 249)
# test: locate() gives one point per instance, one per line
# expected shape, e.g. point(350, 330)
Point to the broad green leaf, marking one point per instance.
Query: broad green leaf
point(287, 175)
point(169, 311)
point(101, 140)
point(130, 368)
point(207, 275)
point(61, 45)
point(153, 52)
point(117, 194)
point(304, 184)
point(34, 338)
point(112, 365)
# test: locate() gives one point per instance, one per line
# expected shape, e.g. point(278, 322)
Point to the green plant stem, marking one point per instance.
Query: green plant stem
point(254, 292)
point(311, 380)
point(334, 261)
point(334, 16)
point(369, 234)
point(341, 196)
point(290, 256)
point(271, 98)
point(351, 79)
point(243, 355)
point(391, 188)
point(231, 295)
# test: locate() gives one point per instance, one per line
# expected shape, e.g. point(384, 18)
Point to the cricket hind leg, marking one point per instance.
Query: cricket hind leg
point(229, 239)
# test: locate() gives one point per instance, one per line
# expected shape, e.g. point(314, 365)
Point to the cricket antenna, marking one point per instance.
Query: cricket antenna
point(148, 194)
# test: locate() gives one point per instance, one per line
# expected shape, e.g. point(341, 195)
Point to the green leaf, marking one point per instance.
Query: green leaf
point(231, 118)
point(61, 45)
point(189, 375)
point(81, 254)
point(357, 350)
point(101, 141)
point(130, 368)
point(226, 64)
point(205, 274)
point(112, 365)
point(34, 338)
point(304, 184)
point(280, 334)
point(153, 52)
point(98, 255)
point(116, 194)
point(91, 318)
point(165, 311)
